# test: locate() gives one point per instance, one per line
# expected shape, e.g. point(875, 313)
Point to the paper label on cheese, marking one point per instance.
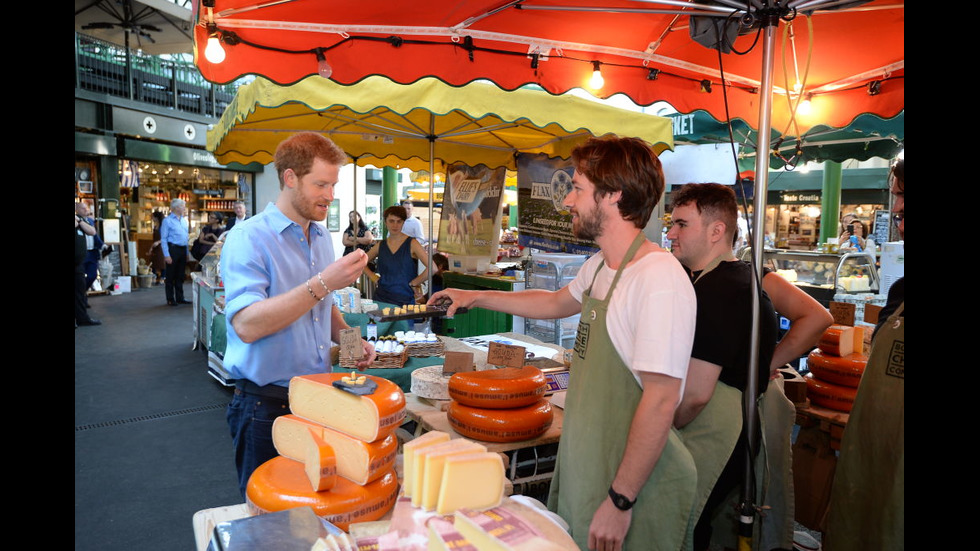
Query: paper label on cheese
point(442, 535)
point(502, 525)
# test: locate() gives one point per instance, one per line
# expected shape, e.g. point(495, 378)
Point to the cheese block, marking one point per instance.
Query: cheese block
point(844, 371)
point(429, 382)
point(829, 395)
point(358, 461)
point(443, 536)
point(281, 483)
point(501, 425)
point(428, 475)
point(508, 387)
point(368, 418)
point(472, 481)
point(320, 463)
point(409, 451)
point(837, 340)
point(499, 529)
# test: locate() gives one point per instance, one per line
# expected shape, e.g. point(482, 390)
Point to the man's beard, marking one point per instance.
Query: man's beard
point(589, 227)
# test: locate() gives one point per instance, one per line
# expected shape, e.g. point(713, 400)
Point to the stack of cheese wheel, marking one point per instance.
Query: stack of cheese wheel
point(835, 368)
point(500, 405)
point(336, 452)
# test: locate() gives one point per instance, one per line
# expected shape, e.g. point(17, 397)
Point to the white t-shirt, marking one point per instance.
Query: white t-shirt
point(413, 228)
point(652, 314)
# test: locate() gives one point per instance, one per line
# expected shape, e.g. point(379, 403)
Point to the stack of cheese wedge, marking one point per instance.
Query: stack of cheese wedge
point(500, 405)
point(835, 368)
point(336, 452)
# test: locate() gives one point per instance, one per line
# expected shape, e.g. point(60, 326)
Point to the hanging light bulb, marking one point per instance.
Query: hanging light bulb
point(805, 108)
point(213, 52)
point(596, 82)
point(322, 67)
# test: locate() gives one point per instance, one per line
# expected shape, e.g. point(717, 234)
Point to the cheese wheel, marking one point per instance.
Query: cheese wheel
point(505, 388)
point(837, 340)
point(368, 418)
point(281, 483)
point(844, 371)
point(443, 536)
point(410, 451)
point(358, 461)
point(501, 425)
point(320, 463)
point(429, 382)
point(829, 395)
point(471, 481)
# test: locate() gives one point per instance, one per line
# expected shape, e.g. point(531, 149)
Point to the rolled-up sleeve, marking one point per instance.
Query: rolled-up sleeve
point(246, 277)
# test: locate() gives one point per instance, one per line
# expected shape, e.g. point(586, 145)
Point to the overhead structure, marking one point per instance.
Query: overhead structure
point(153, 26)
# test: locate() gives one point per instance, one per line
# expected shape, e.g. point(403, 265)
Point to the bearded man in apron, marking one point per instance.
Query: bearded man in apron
point(623, 479)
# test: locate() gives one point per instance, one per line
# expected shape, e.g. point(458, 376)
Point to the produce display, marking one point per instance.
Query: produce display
point(835, 368)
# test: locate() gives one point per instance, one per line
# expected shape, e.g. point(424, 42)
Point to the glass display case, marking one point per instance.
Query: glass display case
point(552, 271)
point(824, 275)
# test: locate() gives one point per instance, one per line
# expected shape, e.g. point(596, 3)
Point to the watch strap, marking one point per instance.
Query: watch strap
point(621, 502)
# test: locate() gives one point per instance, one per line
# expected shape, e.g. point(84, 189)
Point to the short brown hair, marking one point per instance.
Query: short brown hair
point(397, 211)
point(300, 150)
point(713, 201)
point(627, 165)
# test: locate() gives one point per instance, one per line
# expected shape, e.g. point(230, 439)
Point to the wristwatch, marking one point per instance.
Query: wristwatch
point(621, 502)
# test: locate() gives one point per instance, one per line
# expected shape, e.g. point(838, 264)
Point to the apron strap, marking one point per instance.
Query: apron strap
point(630, 253)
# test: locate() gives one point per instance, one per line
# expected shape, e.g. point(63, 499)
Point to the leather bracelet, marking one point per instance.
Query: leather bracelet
point(325, 288)
point(310, 289)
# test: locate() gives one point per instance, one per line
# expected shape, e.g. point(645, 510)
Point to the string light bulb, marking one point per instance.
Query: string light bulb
point(322, 67)
point(805, 108)
point(213, 51)
point(596, 82)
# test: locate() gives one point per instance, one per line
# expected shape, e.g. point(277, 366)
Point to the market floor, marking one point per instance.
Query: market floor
point(151, 443)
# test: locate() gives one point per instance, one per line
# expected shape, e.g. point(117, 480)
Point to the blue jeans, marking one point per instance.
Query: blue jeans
point(250, 419)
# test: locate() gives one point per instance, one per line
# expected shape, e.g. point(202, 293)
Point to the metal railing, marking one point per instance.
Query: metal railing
point(165, 81)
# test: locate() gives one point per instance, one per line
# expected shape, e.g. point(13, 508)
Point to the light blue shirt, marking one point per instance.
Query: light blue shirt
point(265, 256)
point(172, 231)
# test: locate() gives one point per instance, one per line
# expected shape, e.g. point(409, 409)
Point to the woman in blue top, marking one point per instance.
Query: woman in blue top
point(398, 278)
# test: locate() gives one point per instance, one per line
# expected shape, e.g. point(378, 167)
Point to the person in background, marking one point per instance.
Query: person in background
point(93, 248)
point(413, 226)
point(239, 215)
point(173, 243)
point(279, 273)
point(853, 236)
point(867, 500)
point(157, 265)
point(398, 279)
point(357, 235)
point(208, 236)
point(623, 479)
point(83, 230)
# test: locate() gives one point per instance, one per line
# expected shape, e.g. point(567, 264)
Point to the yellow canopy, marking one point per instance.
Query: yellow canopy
point(382, 123)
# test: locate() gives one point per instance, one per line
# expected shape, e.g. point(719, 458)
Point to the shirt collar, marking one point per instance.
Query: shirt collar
point(280, 221)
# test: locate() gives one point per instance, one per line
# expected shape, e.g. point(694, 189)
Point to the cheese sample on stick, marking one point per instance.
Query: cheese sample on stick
point(320, 463)
point(428, 477)
point(409, 451)
point(509, 387)
point(358, 461)
point(369, 417)
point(471, 481)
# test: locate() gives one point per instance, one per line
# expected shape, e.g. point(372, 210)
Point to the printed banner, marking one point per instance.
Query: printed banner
point(471, 210)
point(544, 223)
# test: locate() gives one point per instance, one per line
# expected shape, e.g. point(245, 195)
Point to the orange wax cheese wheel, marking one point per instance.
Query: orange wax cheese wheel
point(358, 461)
point(320, 463)
point(501, 425)
point(410, 451)
point(281, 483)
point(837, 340)
point(829, 395)
point(846, 370)
point(368, 418)
point(508, 387)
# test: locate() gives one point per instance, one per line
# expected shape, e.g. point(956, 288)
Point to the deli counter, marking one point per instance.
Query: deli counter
point(824, 275)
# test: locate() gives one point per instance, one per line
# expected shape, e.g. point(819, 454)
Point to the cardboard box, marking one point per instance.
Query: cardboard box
point(124, 284)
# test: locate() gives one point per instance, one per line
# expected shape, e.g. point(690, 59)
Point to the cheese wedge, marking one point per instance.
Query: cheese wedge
point(498, 529)
point(428, 476)
point(358, 461)
point(367, 418)
point(509, 387)
point(501, 425)
point(320, 463)
point(471, 481)
point(837, 340)
point(409, 451)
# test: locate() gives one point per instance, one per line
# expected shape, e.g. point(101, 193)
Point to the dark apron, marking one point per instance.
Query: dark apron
point(601, 400)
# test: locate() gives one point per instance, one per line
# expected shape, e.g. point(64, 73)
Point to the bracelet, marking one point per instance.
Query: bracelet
point(310, 289)
point(325, 288)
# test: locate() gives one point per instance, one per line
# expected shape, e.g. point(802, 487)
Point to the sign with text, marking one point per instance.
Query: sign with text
point(871, 313)
point(545, 223)
point(350, 344)
point(457, 362)
point(843, 312)
point(471, 211)
point(506, 355)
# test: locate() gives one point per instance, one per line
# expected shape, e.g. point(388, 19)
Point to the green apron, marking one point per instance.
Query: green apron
point(867, 503)
point(601, 400)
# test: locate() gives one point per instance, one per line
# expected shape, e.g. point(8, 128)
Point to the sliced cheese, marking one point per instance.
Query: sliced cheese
point(281, 483)
point(498, 529)
point(428, 476)
point(358, 461)
point(509, 387)
point(846, 370)
point(368, 418)
point(829, 395)
point(501, 425)
point(471, 481)
point(837, 340)
point(320, 463)
point(443, 536)
point(410, 450)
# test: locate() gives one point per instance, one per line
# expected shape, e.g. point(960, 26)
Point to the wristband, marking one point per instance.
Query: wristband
point(325, 288)
point(621, 502)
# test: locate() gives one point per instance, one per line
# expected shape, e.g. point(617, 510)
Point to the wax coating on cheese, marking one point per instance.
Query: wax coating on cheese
point(501, 425)
point(368, 418)
point(829, 395)
point(837, 340)
point(358, 461)
point(320, 463)
point(509, 387)
point(846, 370)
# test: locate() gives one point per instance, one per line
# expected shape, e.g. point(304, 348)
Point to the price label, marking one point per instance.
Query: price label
point(843, 313)
point(506, 355)
point(871, 313)
point(351, 347)
point(457, 362)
